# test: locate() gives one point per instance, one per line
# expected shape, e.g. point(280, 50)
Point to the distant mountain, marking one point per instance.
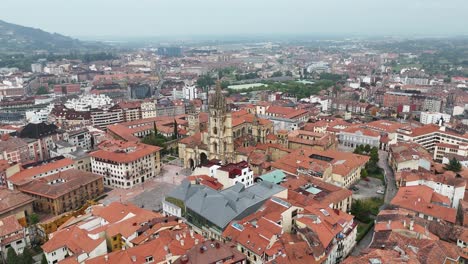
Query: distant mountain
point(15, 38)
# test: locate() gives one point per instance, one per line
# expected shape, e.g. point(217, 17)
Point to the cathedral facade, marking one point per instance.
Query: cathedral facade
point(225, 132)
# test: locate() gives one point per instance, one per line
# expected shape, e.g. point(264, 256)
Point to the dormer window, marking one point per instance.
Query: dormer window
point(149, 259)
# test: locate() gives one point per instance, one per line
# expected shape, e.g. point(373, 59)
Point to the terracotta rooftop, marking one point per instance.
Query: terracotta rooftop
point(9, 225)
point(123, 152)
point(421, 199)
point(26, 175)
point(59, 184)
point(10, 200)
point(74, 239)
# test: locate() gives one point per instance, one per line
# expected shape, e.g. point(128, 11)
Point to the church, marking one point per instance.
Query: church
point(226, 131)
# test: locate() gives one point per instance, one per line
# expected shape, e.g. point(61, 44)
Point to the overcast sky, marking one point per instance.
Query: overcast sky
point(143, 18)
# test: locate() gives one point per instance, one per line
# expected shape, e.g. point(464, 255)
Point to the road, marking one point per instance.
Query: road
point(390, 192)
point(364, 243)
point(391, 188)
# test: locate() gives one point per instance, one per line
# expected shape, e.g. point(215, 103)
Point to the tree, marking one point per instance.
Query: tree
point(364, 173)
point(277, 74)
point(374, 155)
point(42, 90)
point(367, 148)
point(205, 81)
point(12, 257)
point(26, 257)
point(453, 165)
point(44, 259)
point(175, 134)
point(289, 73)
point(33, 219)
point(155, 128)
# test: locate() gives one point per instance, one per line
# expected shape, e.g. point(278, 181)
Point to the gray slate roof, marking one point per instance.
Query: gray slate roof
point(221, 207)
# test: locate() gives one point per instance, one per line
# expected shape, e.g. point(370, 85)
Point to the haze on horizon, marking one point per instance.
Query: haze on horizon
point(152, 18)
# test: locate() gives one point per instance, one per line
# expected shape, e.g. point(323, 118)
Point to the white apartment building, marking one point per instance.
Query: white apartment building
point(125, 164)
point(228, 174)
point(430, 135)
point(88, 102)
point(101, 118)
point(433, 118)
point(79, 138)
point(39, 116)
point(148, 109)
point(324, 103)
point(443, 152)
point(453, 188)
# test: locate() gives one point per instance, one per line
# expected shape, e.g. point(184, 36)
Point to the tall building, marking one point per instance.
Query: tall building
point(124, 164)
point(220, 128)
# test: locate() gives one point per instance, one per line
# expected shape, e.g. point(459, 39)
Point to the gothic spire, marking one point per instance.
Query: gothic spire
point(218, 101)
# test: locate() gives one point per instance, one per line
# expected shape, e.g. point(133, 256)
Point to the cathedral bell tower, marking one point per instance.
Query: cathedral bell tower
point(221, 144)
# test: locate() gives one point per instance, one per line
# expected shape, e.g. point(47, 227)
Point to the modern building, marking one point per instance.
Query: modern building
point(101, 118)
point(125, 164)
point(444, 152)
point(434, 118)
point(201, 205)
point(80, 138)
point(430, 135)
point(140, 91)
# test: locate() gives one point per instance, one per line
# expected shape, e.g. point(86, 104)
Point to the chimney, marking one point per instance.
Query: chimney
point(133, 258)
point(106, 258)
point(182, 242)
point(404, 223)
point(196, 241)
point(411, 225)
point(191, 233)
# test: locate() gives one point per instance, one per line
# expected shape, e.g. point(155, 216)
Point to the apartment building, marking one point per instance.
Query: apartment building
point(227, 175)
point(430, 135)
point(101, 118)
point(125, 164)
point(64, 191)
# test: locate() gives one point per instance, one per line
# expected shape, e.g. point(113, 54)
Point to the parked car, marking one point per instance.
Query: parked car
point(354, 188)
point(380, 191)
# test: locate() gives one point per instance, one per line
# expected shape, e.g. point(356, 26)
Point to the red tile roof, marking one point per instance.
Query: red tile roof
point(420, 199)
point(73, 238)
point(29, 174)
point(68, 181)
point(123, 152)
point(9, 225)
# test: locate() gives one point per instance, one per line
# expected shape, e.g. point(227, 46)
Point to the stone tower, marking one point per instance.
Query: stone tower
point(193, 121)
point(221, 143)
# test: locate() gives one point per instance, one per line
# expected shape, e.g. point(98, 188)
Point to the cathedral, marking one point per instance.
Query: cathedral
point(225, 132)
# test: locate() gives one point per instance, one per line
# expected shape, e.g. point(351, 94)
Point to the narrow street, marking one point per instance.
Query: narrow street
point(390, 192)
point(391, 188)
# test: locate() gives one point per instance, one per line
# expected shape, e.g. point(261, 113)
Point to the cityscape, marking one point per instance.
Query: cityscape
point(197, 142)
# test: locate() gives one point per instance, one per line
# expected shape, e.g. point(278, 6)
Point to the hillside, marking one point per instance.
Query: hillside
point(15, 38)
